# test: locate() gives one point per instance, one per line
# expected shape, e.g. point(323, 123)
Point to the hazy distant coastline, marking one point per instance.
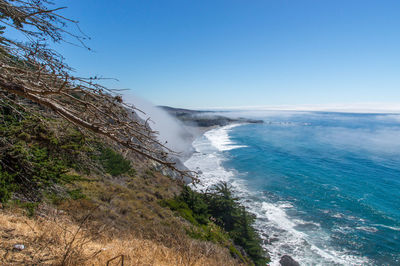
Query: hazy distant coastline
point(205, 119)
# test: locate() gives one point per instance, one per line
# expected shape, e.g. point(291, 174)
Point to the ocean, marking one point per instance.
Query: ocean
point(325, 187)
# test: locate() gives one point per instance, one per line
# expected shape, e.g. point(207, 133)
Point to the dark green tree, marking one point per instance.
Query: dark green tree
point(223, 205)
point(196, 203)
point(220, 203)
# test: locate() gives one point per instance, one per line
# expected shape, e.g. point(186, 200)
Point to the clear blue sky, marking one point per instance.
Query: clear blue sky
point(225, 53)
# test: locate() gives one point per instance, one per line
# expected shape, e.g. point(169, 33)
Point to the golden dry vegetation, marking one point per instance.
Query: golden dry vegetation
point(59, 240)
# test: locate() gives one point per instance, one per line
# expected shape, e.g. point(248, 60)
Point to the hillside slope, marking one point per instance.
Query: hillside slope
point(71, 197)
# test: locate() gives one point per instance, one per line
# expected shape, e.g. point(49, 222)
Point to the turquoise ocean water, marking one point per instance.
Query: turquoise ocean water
point(325, 187)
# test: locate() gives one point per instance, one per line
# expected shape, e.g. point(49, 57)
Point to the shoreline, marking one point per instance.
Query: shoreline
point(239, 189)
point(203, 184)
point(269, 214)
point(224, 175)
point(197, 132)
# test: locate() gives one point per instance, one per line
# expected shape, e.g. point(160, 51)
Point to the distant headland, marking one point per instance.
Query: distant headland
point(205, 118)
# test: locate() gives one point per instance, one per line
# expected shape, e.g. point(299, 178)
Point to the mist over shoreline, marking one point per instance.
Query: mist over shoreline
point(179, 136)
point(171, 131)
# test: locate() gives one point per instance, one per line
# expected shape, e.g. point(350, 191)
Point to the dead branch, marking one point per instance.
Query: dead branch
point(33, 71)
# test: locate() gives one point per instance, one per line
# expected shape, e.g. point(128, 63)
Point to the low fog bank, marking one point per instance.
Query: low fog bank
point(172, 132)
point(339, 107)
point(375, 133)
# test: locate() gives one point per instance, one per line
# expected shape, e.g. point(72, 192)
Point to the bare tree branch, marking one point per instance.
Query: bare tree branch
point(32, 70)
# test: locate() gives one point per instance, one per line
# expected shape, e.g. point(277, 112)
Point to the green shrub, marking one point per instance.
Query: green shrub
point(55, 198)
point(196, 203)
point(7, 185)
point(32, 154)
point(114, 163)
point(29, 168)
point(236, 220)
point(181, 208)
point(30, 208)
point(220, 206)
point(76, 194)
point(46, 170)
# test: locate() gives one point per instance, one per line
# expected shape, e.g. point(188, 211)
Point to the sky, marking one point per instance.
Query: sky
point(233, 53)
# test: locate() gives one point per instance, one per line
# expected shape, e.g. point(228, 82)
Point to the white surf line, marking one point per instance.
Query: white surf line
point(208, 159)
point(219, 138)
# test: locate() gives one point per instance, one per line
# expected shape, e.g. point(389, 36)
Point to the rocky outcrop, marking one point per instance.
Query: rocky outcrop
point(286, 260)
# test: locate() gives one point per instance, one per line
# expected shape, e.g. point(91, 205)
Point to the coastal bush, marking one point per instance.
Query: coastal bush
point(196, 203)
point(27, 168)
point(180, 207)
point(76, 194)
point(33, 158)
point(236, 220)
point(114, 163)
point(218, 207)
point(7, 185)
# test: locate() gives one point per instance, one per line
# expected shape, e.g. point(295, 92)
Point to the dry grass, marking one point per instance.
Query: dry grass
point(59, 241)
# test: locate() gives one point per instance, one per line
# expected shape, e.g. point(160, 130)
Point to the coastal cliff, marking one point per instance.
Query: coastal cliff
point(71, 197)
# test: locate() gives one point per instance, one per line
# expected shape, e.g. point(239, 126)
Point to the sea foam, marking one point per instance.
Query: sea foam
point(220, 139)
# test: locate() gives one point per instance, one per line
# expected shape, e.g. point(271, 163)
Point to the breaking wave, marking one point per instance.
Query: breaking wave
point(305, 241)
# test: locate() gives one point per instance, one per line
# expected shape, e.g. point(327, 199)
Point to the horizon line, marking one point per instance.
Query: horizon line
point(340, 108)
